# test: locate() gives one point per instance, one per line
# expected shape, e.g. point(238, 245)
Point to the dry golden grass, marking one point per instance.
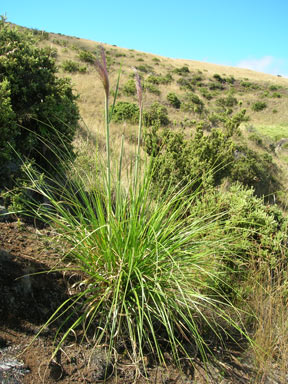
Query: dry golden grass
point(269, 302)
point(91, 93)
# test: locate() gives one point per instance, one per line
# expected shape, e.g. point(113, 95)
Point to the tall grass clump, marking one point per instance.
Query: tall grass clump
point(151, 269)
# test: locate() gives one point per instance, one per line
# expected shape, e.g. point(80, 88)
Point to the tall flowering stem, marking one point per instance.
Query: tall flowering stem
point(101, 67)
point(140, 102)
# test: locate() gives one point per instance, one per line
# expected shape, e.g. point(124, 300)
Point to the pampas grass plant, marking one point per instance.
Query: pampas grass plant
point(150, 268)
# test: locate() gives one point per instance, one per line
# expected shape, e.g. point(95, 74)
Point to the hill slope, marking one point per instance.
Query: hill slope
point(199, 93)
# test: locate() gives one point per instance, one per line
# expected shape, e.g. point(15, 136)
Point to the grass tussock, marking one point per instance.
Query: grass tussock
point(158, 274)
point(151, 269)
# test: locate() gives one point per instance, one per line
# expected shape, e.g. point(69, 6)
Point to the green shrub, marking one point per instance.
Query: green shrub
point(276, 95)
point(156, 60)
point(228, 101)
point(144, 68)
point(254, 170)
point(34, 103)
point(167, 79)
point(216, 86)
point(173, 100)
point(230, 80)
point(41, 35)
point(257, 139)
point(72, 66)
point(274, 87)
point(209, 159)
point(249, 84)
point(205, 93)
point(61, 42)
point(183, 71)
point(153, 79)
point(118, 54)
point(124, 111)
point(262, 227)
point(9, 129)
point(152, 88)
point(219, 78)
point(259, 106)
point(129, 88)
point(186, 84)
point(193, 104)
point(179, 161)
point(157, 114)
point(86, 56)
point(158, 79)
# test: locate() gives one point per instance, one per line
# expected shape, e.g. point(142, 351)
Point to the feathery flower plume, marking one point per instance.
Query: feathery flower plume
point(138, 88)
point(101, 67)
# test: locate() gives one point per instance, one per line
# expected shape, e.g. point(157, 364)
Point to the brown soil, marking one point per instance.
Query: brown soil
point(28, 299)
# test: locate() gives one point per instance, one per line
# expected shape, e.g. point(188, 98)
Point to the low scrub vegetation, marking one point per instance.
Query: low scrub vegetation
point(72, 66)
point(173, 100)
point(259, 106)
point(36, 107)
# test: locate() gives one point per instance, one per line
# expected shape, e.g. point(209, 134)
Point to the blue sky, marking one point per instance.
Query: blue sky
point(247, 33)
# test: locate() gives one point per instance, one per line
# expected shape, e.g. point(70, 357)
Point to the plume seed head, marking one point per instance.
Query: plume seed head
point(101, 67)
point(138, 88)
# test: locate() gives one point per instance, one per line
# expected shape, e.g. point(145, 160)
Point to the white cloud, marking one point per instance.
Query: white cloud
point(266, 64)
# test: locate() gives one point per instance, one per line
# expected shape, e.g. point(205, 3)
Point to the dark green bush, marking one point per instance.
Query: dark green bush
point(156, 115)
point(216, 86)
point(181, 160)
point(118, 54)
point(208, 95)
point(152, 88)
point(41, 35)
point(274, 87)
point(276, 95)
point(186, 84)
point(86, 56)
point(209, 159)
point(182, 71)
point(263, 228)
point(124, 111)
point(193, 104)
point(144, 68)
point(153, 79)
point(72, 66)
point(257, 139)
point(229, 101)
point(230, 80)
point(167, 79)
point(259, 106)
point(249, 84)
point(173, 100)
point(34, 103)
point(219, 78)
point(62, 43)
point(129, 88)
point(255, 170)
point(9, 128)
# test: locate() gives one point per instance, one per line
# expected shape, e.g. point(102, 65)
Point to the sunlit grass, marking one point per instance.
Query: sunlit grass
point(275, 132)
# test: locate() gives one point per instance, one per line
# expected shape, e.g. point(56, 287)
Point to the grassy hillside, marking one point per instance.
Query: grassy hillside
point(209, 81)
point(190, 93)
point(204, 93)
